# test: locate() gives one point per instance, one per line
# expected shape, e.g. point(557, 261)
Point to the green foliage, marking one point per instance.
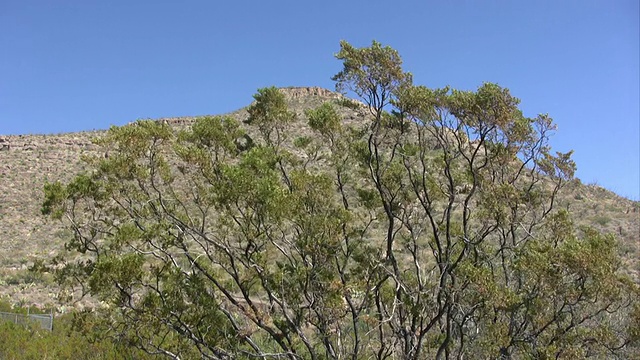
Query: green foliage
point(270, 114)
point(348, 103)
point(54, 193)
point(373, 73)
point(602, 220)
point(432, 231)
point(64, 342)
point(324, 120)
point(221, 133)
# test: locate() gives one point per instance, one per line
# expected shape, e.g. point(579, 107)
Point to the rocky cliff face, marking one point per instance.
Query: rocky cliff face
point(306, 92)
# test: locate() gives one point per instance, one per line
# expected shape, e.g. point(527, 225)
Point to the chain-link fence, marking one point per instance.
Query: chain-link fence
point(44, 320)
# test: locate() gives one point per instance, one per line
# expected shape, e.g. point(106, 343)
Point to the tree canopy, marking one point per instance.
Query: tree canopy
point(430, 230)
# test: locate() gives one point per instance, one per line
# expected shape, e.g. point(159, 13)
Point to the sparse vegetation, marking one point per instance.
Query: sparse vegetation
point(602, 220)
point(348, 103)
point(18, 342)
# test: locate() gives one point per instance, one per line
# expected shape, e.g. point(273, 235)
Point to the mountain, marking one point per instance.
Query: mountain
point(27, 162)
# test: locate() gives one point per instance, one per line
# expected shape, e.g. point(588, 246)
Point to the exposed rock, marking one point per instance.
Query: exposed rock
point(244, 143)
point(303, 92)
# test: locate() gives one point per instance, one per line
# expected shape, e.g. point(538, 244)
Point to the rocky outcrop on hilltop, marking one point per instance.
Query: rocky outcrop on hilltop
point(306, 92)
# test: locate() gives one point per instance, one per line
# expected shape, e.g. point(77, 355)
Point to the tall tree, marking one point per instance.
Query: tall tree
point(430, 230)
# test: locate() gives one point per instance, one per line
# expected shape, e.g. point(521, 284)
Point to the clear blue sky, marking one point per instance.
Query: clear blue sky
point(82, 65)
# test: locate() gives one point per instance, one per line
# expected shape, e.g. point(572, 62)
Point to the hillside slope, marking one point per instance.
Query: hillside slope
point(27, 162)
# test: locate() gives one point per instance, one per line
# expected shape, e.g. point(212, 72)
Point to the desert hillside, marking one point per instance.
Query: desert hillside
point(27, 162)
